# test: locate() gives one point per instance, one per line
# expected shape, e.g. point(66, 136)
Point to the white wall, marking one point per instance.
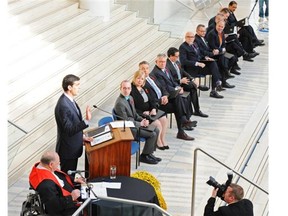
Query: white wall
point(156, 10)
point(163, 9)
point(99, 8)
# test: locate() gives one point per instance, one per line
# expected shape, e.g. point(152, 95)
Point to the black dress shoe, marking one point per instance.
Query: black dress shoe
point(166, 147)
point(215, 94)
point(184, 136)
point(246, 58)
point(227, 85)
point(234, 71)
point(229, 75)
point(160, 147)
point(220, 88)
point(259, 43)
point(236, 67)
point(256, 52)
point(192, 123)
point(147, 159)
point(187, 127)
point(252, 55)
point(155, 158)
point(203, 88)
point(201, 114)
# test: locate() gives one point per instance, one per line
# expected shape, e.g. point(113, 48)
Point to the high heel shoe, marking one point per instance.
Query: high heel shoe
point(161, 147)
point(166, 147)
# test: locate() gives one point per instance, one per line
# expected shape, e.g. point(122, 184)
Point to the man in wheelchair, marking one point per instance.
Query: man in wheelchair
point(56, 189)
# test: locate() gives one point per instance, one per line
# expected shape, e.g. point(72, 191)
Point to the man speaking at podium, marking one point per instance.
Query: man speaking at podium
point(124, 107)
point(70, 124)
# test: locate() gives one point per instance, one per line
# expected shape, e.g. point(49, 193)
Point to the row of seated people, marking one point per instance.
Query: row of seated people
point(162, 89)
point(212, 51)
point(199, 54)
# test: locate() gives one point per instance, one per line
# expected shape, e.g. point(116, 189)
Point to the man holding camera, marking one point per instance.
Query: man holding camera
point(236, 205)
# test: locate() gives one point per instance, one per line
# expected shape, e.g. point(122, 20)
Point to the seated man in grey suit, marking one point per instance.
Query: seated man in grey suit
point(125, 108)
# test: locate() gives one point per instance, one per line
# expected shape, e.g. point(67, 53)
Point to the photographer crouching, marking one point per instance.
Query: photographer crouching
point(236, 205)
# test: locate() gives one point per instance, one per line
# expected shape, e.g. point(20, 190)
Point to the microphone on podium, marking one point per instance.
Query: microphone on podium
point(70, 172)
point(113, 114)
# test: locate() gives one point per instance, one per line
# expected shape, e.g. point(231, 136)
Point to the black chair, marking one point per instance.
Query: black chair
point(201, 76)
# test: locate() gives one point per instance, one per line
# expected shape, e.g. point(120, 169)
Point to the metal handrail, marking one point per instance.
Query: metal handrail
point(215, 159)
point(79, 210)
point(17, 127)
point(127, 201)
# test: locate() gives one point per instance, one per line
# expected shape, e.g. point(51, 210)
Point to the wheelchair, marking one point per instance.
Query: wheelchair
point(33, 205)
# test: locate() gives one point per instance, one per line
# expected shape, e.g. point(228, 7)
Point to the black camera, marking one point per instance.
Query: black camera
point(221, 187)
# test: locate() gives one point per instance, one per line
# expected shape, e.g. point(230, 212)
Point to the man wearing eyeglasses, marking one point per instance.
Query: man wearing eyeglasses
point(193, 63)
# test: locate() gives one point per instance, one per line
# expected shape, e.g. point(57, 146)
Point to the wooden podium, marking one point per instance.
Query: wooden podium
point(116, 151)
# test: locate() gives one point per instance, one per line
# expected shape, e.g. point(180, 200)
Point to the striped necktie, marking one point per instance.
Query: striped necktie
point(155, 87)
point(177, 70)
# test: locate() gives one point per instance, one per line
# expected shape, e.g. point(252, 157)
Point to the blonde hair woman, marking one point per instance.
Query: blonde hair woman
point(146, 106)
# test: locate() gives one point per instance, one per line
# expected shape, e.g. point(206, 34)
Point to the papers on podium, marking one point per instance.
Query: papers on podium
point(120, 124)
point(99, 188)
point(99, 131)
point(100, 134)
point(102, 138)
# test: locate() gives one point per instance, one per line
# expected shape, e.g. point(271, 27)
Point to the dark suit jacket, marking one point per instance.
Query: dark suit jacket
point(189, 57)
point(140, 105)
point(70, 128)
point(152, 91)
point(169, 107)
point(183, 104)
point(205, 50)
point(214, 42)
point(210, 28)
point(163, 79)
point(173, 72)
point(211, 21)
point(232, 20)
point(243, 207)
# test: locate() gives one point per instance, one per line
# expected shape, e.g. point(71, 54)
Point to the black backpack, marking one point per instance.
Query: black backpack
point(33, 205)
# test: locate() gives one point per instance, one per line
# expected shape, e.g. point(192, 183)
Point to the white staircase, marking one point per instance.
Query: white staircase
point(52, 38)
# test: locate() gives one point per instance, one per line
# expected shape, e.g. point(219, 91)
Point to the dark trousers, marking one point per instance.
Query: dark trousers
point(68, 164)
point(235, 47)
point(251, 31)
point(178, 106)
point(225, 64)
point(246, 40)
point(193, 96)
point(150, 136)
point(211, 67)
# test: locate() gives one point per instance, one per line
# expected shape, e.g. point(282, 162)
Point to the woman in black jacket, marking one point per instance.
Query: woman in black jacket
point(146, 106)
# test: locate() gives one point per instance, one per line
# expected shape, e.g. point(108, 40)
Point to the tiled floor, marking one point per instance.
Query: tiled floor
point(217, 134)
